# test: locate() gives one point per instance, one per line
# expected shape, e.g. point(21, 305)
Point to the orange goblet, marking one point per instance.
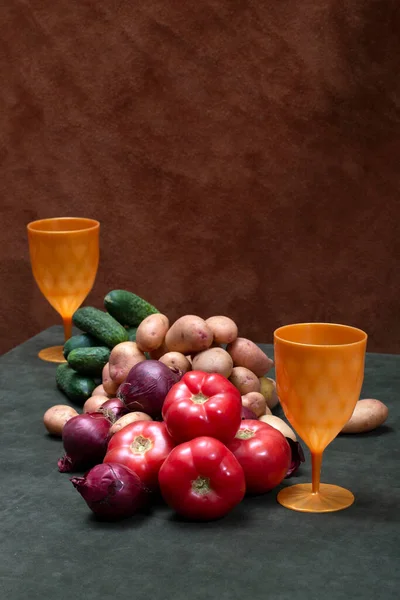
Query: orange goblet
point(319, 374)
point(64, 254)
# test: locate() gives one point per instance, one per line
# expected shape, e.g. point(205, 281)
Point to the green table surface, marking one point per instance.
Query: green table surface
point(53, 547)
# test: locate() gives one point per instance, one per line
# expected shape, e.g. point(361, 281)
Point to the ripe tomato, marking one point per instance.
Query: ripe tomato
point(201, 479)
point(202, 404)
point(142, 447)
point(264, 454)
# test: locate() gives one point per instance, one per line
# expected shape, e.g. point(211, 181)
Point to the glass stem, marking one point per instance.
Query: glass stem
point(67, 321)
point(316, 462)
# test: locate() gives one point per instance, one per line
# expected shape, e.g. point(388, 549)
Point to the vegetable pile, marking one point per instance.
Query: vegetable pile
point(181, 410)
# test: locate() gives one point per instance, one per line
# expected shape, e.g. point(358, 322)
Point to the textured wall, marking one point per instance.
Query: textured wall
point(242, 156)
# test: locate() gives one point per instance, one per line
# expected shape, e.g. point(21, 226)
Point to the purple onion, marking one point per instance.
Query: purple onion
point(111, 491)
point(146, 387)
point(297, 457)
point(247, 413)
point(85, 438)
point(113, 409)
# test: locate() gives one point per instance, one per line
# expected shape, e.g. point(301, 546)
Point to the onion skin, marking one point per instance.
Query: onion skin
point(297, 457)
point(85, 439)
point(111, 491)
point(247, 413)
point(113, 409)
point(147, 386)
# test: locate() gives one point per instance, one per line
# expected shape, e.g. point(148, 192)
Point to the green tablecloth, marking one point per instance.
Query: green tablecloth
point(52, 546)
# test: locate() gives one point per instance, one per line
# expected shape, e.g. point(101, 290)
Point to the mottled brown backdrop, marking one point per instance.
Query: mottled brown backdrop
point(242, 156)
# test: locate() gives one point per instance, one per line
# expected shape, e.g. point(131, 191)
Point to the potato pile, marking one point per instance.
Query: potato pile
point(192, 343)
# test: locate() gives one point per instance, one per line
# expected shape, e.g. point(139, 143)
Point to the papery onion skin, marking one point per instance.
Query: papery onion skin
point(85, 438)
point(247, 413)
point(297, 457)
point(113, 409)
point(111, 491)
point(146, 387)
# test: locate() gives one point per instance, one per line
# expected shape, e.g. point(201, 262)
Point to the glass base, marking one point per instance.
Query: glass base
point(329, 498)
point(53, 354)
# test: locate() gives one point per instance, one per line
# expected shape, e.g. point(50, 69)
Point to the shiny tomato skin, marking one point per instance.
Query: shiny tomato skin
point(141, 446)
point(265, 456)
point(202, 404)
point(202, 480)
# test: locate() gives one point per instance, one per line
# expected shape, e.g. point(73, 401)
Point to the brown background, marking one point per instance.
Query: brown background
point(242, 156)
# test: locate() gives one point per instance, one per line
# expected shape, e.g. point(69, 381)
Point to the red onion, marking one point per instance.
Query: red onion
point(146, 387)
point(297, 457)
point(111, 490)
point(113, 409)
point(247, 413)
point(85, 438)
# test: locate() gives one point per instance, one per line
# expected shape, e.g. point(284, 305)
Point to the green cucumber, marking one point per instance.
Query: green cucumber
point(89, 361)
point(131, 331)
point(77, 388)
point(100, 325)
point(127, 308)
point(83, 340)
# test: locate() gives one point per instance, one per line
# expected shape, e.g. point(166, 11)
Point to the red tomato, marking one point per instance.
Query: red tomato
point(202, 404)
point(264, 454)
point(201, 479)
point(142, 447)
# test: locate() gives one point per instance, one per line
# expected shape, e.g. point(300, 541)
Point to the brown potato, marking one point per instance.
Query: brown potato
point(213, 360)
point(159, 352)
point(55, 418)
point(188, 335)
point(256, 403)
point(176, 360)
point(109, 385)
point(224, 329)
point(268, 390)
point(244, 380)
point(280, 425)
point(246, 353)
point(93, 403)
point(127, 419)
point(100, 391)
point(151, 332)
point(367, 415)
point(123, 357)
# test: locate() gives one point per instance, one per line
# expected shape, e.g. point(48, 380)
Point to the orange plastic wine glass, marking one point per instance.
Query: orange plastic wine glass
point(64, 254)
point(319, 374)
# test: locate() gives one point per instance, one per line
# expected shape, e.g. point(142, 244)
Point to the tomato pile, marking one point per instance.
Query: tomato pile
point(202, 457)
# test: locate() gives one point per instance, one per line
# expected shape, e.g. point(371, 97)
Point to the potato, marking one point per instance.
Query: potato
point(244, 380)
point(256, 403)
point(55, 418)
point(224, 329)
point(151, 332)
point(93, 403)
point(176, 360)
point(246, 353)
point(367, 415)
point(123, 357)
point(109, 385)
point(280, 425)
point(99, 391)
point(268, 390)
point(213, 360)
point(127, 419)
point(188, 335)
point(159, 352)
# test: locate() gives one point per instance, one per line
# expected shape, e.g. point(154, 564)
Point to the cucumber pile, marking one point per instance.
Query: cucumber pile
point(88, 352)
